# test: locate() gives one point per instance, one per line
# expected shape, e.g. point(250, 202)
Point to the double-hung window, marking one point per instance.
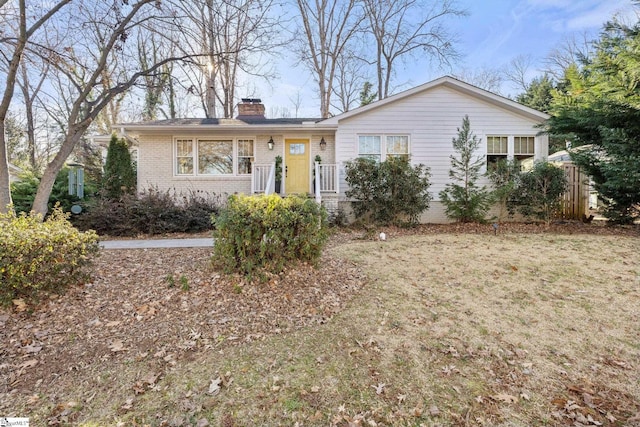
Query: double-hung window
point(523, 147)
point(184, 156)
point(380, 147)
point(369, 147)
point(213, 156)
point(509, 147)
point(245, 156)
point(497, 149)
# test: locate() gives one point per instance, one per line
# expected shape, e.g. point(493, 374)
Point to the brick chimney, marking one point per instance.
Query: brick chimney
point(250, 108)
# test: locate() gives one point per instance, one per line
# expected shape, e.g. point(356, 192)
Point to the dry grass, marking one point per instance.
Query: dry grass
point(453, 329)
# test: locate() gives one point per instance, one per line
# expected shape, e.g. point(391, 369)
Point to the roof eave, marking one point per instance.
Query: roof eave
point(223, 128)
point(455, 84)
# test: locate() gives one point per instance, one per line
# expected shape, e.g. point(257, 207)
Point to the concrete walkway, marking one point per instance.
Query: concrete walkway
point(157, 243)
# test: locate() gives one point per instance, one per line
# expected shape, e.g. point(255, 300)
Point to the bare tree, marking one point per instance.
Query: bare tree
point(296, 102)
point(517, 70)
point(403, 28)
point(151, 48)
point(575, 49)
point(328, 27)
point(484, 78)
point(351, 75)
point(29, 96)
point(14, 46)
point(82, 64)
point(234, 39)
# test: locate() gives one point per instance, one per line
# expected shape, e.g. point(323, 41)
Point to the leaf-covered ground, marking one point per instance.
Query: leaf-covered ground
point(437, 326)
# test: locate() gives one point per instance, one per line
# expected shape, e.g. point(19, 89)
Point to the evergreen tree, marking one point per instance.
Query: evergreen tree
point(366, 96)
point(119, 175)
point(464, 200)
point(599, 106)
point(539, 94)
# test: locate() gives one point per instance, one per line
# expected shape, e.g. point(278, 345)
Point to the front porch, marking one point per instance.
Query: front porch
point(325, 181)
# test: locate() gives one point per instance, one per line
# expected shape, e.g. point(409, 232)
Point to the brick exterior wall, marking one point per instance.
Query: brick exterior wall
point(156, 162)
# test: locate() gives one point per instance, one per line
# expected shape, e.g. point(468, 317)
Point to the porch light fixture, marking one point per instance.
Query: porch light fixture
point(323, 144)
point(270, 143)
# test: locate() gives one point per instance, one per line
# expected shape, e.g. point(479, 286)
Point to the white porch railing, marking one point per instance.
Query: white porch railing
point(263, 178)
point(326, 180)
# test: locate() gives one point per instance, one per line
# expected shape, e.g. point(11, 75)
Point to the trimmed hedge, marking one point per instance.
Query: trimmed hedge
point(256, 233)
point(38, 256)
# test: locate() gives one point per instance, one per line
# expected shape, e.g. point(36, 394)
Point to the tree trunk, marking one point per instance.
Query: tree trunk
point(40, 203)
point(5, 191)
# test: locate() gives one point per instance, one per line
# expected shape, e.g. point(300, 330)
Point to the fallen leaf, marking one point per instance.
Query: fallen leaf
point(315, 389)
point(116, 346)
point(28, 364)
point(434, 411)
point(379, 388)
point(214, 387)
point(503, 397)
point(30, 349)
point(525, 396)
point(20, 305)
point(127, 405)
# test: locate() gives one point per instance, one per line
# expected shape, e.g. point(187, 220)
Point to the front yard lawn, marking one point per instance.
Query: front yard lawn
point(437, 328)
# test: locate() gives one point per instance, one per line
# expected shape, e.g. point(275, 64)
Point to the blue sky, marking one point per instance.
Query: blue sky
point(495, 32)
point(498, 30)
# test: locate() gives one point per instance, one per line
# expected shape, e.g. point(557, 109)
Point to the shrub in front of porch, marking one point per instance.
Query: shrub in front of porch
point(265, 233)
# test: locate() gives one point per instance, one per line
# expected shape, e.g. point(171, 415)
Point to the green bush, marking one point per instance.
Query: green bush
point(24, 191)
point(389, 192)
point(38, 256)
point(255, 233)
point(152, 212)
point(505, 178)
point(540, 191)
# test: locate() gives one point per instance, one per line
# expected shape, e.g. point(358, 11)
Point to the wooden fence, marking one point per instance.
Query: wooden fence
point(575, 202)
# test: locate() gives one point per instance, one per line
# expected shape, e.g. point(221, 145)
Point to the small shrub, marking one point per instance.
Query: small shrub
point(266, 232)
point(391, 192)
point(540, 192)
point(23, 192)
point(505, 178)
point(152, 212)
point(38, 256)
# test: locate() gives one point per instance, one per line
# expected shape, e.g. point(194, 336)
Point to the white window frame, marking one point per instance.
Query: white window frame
point(196, 157)
point(384, 146)
point(176, 157)
point(517, 146)
point(511, 153)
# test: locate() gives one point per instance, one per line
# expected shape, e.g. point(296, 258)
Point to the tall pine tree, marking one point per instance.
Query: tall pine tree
point(464, 199)
point(598, 107)
point(119, 175)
